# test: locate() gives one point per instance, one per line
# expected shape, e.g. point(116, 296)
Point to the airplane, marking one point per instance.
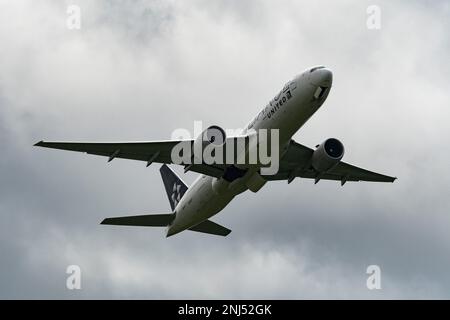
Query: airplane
point(218, 184)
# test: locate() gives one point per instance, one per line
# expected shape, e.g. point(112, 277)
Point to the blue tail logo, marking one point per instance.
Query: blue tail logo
point(175, 187)
point(176, 194)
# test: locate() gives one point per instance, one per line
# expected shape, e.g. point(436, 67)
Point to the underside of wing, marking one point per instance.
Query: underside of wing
point(347, 172)
point(149, 152)
point(156, 151)
point(149, 220)
point(297, 163)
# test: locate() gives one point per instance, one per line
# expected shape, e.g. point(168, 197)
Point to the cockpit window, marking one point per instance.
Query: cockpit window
point(316, 68)
point(320, 91)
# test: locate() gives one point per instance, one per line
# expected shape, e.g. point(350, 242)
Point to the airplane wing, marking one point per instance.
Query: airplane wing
point(152, 151)
point(296, 163)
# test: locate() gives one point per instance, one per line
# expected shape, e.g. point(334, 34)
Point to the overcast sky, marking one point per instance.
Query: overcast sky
point(137, 70)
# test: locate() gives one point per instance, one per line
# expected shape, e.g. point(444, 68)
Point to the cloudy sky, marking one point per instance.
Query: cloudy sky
point(137, 70)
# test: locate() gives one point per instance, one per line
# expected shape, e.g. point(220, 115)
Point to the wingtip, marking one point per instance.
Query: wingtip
point(39, 144)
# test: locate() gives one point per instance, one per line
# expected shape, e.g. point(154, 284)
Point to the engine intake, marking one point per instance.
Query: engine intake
point(211, 138)
point(214, 135)
point(327, 155)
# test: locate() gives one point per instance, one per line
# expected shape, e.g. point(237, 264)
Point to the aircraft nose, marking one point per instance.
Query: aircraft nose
point(321, 77)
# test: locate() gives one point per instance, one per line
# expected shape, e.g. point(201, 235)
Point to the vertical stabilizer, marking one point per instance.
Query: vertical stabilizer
point(175, 187)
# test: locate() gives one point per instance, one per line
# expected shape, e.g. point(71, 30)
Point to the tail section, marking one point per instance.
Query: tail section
point(175, 187)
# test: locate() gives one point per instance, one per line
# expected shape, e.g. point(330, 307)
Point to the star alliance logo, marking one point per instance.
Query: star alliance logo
point(176, 194)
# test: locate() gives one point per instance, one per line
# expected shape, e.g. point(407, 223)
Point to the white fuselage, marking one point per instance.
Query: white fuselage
point(288, 111)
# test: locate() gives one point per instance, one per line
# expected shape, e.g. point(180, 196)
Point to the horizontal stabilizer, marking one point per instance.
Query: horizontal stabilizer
point(149, 220)
point(212, 228)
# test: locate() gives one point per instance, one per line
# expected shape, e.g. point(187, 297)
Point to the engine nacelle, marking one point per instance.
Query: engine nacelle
point(327, 155)
point(255, 182)
point(212, 138)
point(219, 185)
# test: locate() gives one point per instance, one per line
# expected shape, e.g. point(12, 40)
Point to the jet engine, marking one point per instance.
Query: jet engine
point(327, 155)
point(210, 139)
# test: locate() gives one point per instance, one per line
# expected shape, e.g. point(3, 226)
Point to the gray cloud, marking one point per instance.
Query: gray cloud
point(138, 70)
